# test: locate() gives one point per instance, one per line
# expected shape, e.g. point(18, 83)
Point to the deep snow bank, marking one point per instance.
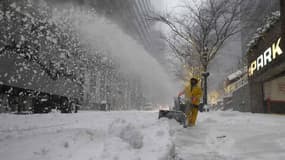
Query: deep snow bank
point(87, 135)
point(141, 136)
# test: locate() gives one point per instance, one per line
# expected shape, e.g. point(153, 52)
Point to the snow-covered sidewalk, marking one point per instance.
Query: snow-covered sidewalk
point(134, 135)
point(232, 136)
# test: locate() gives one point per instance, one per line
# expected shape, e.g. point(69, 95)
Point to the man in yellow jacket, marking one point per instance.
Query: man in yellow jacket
point(193, 94)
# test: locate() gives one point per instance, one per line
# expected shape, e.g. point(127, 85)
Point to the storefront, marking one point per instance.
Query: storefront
point(274, 95)
point(266, 69)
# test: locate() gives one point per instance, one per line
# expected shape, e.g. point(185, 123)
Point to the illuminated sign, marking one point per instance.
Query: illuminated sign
point(266, 58)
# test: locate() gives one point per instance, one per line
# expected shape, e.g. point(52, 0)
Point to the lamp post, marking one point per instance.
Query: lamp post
point(205, 92)
point(205, 75)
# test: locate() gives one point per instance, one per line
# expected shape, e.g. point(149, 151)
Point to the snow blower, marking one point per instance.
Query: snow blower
point(177, 112)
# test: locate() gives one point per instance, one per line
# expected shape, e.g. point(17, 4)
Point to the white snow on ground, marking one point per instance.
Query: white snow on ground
point(232, 136)
point(135, 135)
point(84, 136)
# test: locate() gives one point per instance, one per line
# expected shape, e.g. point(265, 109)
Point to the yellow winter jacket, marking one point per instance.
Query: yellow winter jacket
point(193, 95)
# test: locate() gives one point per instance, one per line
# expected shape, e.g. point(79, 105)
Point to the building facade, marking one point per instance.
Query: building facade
point(262, 46)
point(254, 13)
point(266, 66)
point(131, 15)
point(236, 91)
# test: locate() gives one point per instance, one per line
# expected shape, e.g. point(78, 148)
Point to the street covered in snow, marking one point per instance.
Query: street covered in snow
point(134, 135)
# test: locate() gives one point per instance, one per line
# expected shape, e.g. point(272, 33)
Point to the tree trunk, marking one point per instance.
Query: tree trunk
point(205, 68)
point(205, 84)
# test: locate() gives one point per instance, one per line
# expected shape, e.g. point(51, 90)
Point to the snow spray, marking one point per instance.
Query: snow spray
point(133, 59)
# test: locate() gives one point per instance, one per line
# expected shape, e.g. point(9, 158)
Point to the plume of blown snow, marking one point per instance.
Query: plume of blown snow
point(133, 59)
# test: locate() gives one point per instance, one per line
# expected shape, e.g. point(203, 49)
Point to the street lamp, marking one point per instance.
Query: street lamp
point(205, 75)
point(205, 94)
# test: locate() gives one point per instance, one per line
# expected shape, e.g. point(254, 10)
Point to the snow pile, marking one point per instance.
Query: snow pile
point(127, 132)
point(87, 135)
point(141, 136)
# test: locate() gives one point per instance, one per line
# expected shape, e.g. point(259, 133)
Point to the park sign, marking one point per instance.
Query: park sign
point(267, 57)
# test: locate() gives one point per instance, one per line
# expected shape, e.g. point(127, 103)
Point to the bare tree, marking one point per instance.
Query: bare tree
point(202, 29)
